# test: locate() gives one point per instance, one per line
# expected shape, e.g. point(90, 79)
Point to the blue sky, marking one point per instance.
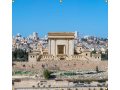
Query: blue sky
point(88, 17)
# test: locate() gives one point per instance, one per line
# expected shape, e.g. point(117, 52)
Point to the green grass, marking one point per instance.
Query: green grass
point(69, 73)
point(22, 72)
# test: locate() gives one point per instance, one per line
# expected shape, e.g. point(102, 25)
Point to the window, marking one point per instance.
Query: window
point(86, 54)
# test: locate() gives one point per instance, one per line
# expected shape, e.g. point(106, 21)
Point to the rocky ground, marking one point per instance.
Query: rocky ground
point(30, 74)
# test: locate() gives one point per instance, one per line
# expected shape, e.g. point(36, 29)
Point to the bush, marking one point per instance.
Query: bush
point(94, 52)
point(46, 74)
point(104, 56)
point(19, 55)
point(97, 70)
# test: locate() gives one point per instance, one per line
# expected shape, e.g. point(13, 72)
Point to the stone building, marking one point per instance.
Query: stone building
point(33, 56)
point(82, 50)
point(61, 44)
point(36, 53)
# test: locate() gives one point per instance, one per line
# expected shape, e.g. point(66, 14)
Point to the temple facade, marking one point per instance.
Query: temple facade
point(61, 45)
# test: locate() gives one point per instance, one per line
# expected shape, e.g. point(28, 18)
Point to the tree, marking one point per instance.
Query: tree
point(14, 54)
point(104, 56)
point(97, 70)
point(19, 55)
point(46, 74)
point(94, 52)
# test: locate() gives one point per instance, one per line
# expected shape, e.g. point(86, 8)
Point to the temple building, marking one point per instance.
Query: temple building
point(61, 46)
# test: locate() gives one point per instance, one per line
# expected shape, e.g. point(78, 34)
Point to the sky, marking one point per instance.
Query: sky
point(88, 17)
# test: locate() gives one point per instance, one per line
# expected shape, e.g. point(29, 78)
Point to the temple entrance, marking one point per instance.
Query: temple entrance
point(61, 52)
point(60, 49)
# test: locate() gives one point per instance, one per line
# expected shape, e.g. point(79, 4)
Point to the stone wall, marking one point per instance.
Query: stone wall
point(62, 65)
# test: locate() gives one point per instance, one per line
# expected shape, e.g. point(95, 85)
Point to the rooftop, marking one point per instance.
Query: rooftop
point(61, 35)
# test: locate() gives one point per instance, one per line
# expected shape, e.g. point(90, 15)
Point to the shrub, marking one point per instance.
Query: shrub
point(97, 70)
point(46, 74)
point(19, 55)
